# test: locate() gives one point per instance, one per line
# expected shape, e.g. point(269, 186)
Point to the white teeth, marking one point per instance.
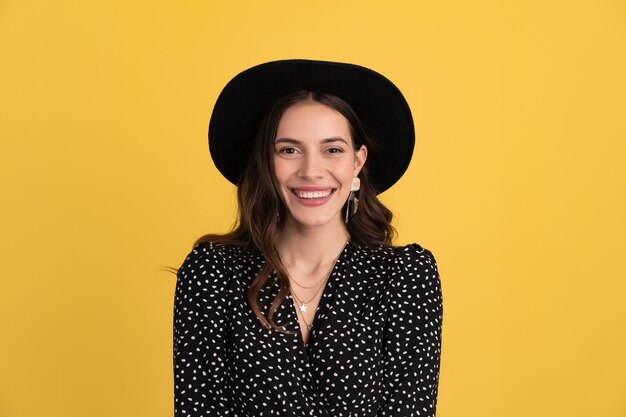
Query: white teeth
point(312, 194)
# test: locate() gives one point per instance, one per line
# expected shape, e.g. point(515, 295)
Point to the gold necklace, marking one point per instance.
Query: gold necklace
point(308, 286)
point(303, 304)
point(303, 307)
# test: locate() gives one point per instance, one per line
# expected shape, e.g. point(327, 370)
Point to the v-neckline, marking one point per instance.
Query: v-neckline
point(323, 305)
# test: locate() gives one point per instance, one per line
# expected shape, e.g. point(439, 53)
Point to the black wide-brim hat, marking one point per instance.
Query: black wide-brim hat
point(376, 101)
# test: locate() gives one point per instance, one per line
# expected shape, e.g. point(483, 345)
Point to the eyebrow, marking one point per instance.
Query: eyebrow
point(297, 142)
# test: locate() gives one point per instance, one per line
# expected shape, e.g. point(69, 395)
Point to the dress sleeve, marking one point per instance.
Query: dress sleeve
point(200, 334)
point(412, 345)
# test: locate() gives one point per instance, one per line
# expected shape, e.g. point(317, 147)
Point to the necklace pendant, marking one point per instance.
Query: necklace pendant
point(303, 308)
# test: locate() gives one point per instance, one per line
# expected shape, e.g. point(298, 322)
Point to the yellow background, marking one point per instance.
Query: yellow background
point(516, 185)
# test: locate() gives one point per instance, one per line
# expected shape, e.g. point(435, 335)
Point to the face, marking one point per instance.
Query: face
point(314, 163)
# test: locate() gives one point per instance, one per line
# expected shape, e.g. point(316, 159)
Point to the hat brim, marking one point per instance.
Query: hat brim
point(377, 102)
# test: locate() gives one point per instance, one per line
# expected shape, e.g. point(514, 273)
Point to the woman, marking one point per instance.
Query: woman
point(306, 308)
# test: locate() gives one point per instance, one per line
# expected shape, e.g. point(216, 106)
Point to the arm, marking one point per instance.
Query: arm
point(412, 344)
point(200, 335)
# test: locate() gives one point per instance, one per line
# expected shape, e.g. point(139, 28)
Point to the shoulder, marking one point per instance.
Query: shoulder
point(208, 265)
point(415, 257)
point(411, 268)
point(410, 265)
point(210, 254)
point(411, 256)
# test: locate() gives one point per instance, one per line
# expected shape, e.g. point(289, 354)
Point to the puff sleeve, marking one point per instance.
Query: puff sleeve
point(412, 341)
point(201, 334)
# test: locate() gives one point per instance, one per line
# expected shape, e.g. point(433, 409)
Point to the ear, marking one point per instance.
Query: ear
point(360, 157)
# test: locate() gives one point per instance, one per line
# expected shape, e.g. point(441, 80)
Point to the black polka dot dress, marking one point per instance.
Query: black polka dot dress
point(373, 350)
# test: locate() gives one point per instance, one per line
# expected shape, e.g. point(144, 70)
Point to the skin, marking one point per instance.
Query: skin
point(313, 151)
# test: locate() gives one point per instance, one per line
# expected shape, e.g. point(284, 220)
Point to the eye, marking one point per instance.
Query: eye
point(287, 151)
point(335, 151)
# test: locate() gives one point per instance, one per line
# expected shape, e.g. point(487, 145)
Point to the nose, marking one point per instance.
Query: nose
point(312, 166)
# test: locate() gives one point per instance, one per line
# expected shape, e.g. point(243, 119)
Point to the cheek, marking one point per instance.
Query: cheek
point(281, 171)
point(348, 170)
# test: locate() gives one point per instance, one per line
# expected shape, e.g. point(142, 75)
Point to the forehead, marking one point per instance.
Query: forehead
point(312, 120)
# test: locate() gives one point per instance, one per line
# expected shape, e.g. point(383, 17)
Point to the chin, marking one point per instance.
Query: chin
point(314, 221)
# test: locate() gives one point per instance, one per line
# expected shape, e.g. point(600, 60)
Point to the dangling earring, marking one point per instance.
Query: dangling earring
point(353, 203)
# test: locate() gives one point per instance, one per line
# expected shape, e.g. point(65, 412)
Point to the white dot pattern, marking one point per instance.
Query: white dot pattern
point(374, 348)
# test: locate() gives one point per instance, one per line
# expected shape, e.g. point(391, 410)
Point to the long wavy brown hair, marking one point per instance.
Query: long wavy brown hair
point(261, 211)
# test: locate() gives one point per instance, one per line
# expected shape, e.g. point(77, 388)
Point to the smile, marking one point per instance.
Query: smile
point(313, 194)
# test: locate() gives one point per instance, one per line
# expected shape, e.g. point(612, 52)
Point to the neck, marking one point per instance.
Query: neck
point(311, 246)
